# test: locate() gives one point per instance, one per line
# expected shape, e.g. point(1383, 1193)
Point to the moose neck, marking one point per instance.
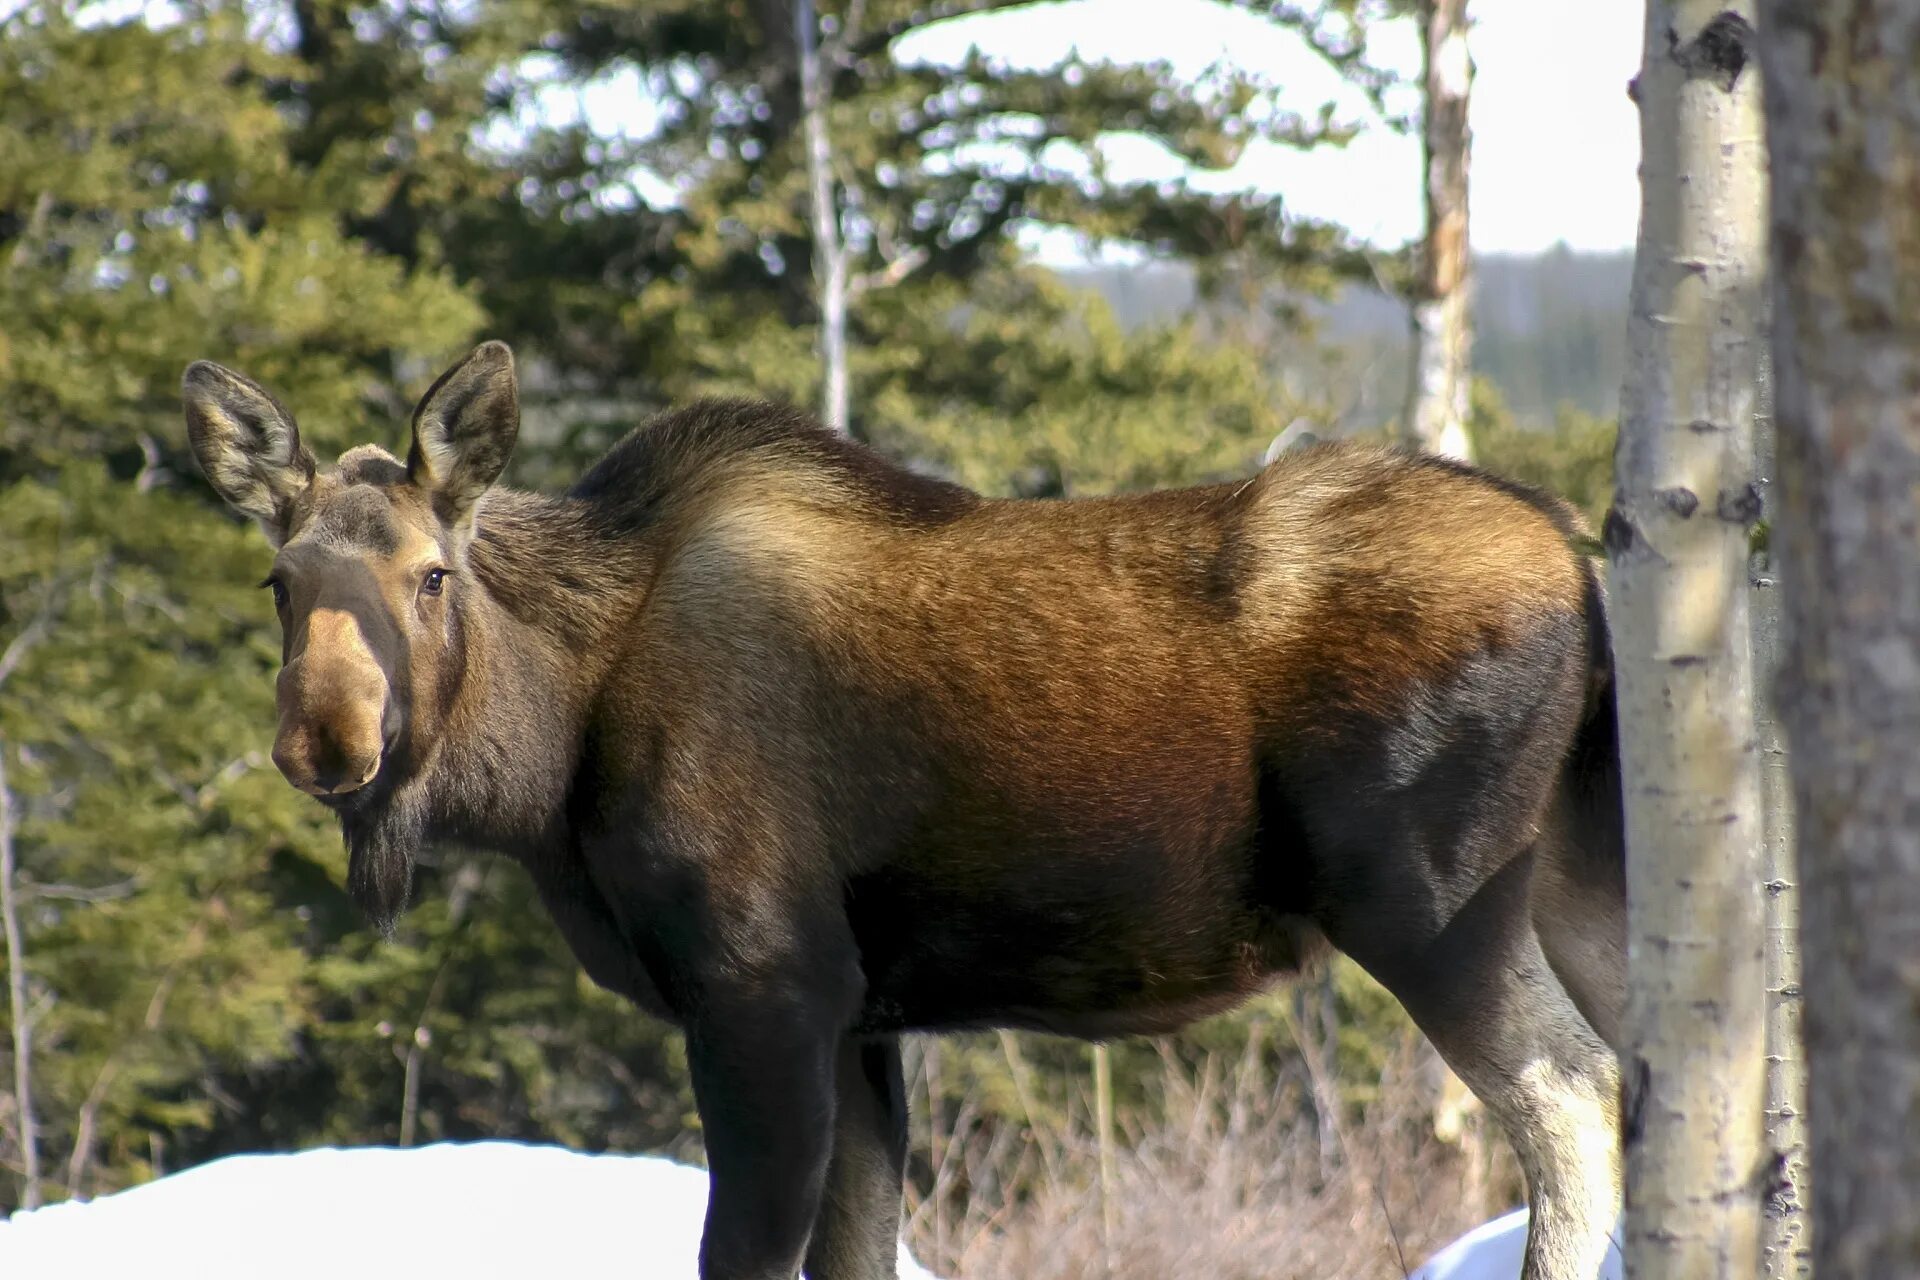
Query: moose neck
point(550, 587)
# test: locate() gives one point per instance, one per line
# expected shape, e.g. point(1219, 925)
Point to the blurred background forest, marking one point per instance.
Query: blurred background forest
point(338, 197)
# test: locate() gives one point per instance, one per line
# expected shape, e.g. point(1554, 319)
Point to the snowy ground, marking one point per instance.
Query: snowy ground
point(1493, 1252)
point(474, 1210)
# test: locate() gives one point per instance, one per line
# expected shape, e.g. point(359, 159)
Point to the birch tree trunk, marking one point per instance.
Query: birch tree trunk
point(1843, 122)
point(1784, 1252)
point(1436, 417)
point(1677, 544)
point(829, 253)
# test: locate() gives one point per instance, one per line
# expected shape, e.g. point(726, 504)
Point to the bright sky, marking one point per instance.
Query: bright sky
point(1556, 141)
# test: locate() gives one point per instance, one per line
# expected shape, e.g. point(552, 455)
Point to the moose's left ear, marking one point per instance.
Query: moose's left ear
point(463, 433)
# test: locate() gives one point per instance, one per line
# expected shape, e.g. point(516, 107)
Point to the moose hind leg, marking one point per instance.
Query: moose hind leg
point(857, 1233)
point(1561, 1112)
point(1482, 991)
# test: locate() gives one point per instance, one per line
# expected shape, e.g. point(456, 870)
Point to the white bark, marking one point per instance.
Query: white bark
point(17, 1010)
point(1784, 1250)
point(1677, 545)
point(829, 251)
point(1843, 129)
point(1438, 384)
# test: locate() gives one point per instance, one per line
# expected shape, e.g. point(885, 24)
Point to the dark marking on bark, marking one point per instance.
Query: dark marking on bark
point(1740, 506)
point(1704, 426)
point(1776, 1184)
point(1719, 53)
point(1639, 1088)
point(1617, 533)
point(1680, 500)
point(1687, 660)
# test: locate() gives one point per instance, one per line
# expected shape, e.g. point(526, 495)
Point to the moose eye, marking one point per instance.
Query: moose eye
point(279, 590)
point(434, 578)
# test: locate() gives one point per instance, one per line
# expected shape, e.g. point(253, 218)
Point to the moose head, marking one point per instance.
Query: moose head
point(368, 580)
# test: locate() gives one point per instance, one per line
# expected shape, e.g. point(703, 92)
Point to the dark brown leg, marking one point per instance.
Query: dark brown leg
point(857, 1234)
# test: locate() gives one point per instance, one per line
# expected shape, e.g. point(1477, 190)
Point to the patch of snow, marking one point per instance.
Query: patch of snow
point(479, 1209)
point(1495, 1251)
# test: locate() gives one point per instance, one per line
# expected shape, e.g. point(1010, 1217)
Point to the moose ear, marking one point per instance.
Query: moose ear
point(247, 445)
point(463, 433)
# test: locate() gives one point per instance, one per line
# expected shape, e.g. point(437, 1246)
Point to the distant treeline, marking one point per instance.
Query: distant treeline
point(1549, 329)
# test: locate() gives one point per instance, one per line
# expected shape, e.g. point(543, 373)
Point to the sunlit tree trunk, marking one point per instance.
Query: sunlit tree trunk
point(17, 1002)
point(829, 252)
point(1843, 125)
point(1783, 1246)
point(1436, 415)
point(18, 1013)
point(1677, 540)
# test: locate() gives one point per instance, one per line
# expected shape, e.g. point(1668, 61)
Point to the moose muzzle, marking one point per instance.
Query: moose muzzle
point(334, 708)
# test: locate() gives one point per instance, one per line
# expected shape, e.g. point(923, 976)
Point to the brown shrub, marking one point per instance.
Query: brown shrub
point(1231, 1177)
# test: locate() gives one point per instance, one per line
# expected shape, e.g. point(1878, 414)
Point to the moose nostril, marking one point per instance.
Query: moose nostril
point(342, 774)
point(318, 765)
point(326, 782)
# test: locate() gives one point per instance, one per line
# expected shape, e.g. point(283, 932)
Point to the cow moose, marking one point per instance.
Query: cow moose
point(804, 750)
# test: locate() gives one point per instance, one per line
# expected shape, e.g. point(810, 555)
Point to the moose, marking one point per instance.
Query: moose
point(804, 750)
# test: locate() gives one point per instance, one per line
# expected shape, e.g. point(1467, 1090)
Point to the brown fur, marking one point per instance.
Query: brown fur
point(804, 751)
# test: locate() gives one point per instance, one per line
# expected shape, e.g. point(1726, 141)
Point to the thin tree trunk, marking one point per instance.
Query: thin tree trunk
point(1103, 1133)
point(1843, 128)
point(1677, 543)
point(1436, 416)
point(1313, 1018)
point(17, 1000)
point(829, 254)
point(1044, 1140)
point(936, 1146)
point(1784, 1249)
point(467, 883)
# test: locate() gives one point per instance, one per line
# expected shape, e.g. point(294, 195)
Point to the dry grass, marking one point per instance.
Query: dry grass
point(1231, 1176)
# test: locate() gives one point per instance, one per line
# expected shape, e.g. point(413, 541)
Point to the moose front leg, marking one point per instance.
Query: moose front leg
point(857, 1235)
point(763, 1082)
point(753, 954)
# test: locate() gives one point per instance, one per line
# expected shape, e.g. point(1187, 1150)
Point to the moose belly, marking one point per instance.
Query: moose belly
point(1090, 947)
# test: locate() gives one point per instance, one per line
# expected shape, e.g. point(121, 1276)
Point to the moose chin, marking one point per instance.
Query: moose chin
point(804, 751)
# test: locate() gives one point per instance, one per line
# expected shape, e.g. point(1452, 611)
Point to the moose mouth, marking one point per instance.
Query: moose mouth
point(378, 783)
point(346, 801)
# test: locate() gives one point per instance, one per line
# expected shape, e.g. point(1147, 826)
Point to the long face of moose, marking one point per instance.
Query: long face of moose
point(367, 581)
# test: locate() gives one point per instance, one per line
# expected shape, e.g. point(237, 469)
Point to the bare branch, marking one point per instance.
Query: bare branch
point(30, 635)
point(35, 229)
point(86, 1130)
point(892, 274)
point(201, 798)
point(76, 893)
